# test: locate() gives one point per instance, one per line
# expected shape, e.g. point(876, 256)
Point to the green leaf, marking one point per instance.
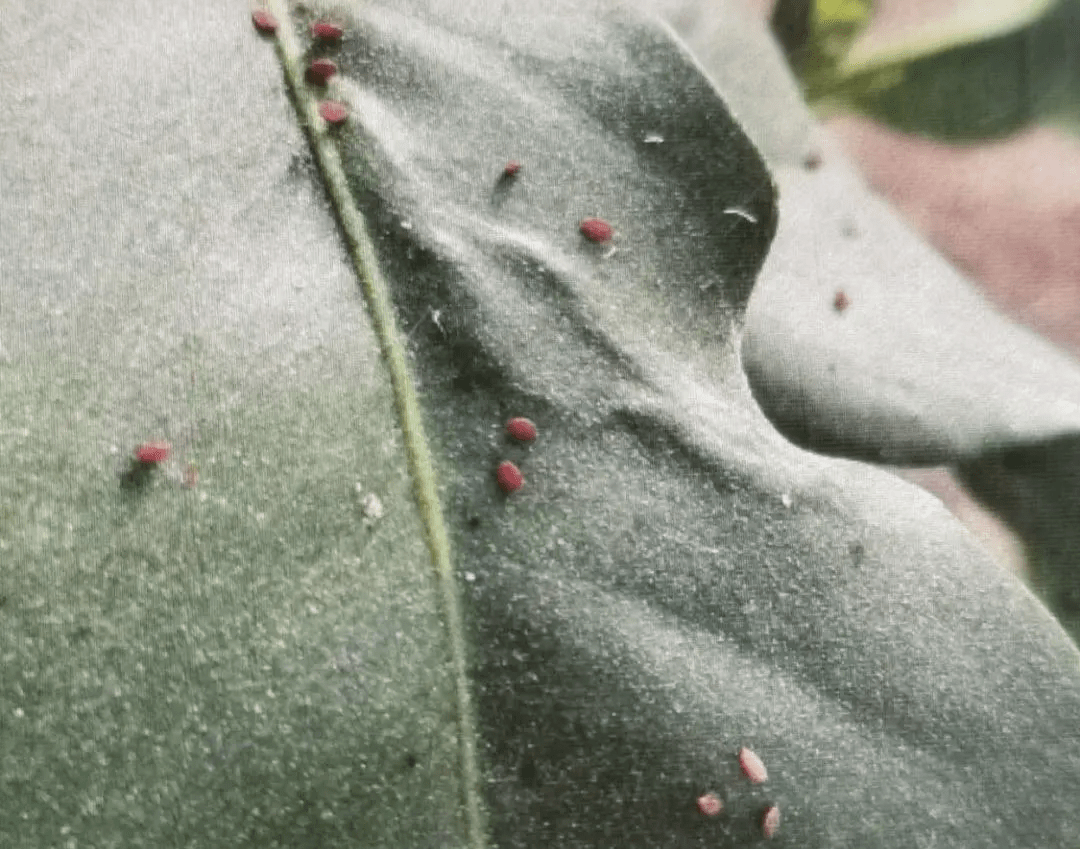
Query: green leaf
point(964, 23)
point(918, 369)
point(262, 659)
point(839, 12)
point(674, 580)
point(818, 35)
point(979, 70)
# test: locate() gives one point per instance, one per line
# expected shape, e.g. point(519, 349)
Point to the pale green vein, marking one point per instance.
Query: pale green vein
point(419, 457)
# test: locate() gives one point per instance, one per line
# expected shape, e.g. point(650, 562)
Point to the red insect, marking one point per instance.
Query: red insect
point(264, 21)
point(841, 301)
point(521, 429)
point(511, 169)
point(326, 30)
point(596, 229)
point(752, 766)
point(333, 112)
point(770, 820)
point(152, 453)
point(710, 805)
point(320, 70)
point(509, 477)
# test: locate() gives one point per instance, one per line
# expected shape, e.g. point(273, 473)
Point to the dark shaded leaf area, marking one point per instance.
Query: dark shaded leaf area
point(1034, 488)
point(674, 580)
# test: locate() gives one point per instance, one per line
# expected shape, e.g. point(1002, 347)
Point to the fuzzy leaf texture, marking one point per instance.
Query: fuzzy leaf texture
point(674, 581)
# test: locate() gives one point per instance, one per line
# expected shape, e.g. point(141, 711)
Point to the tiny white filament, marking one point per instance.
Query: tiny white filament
point(742, 213)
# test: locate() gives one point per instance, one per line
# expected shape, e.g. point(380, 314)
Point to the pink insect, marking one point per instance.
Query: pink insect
point(152, 453)
point(752, 766)
point(509, 477)
point(770, 821)
point(596, 229)
point(511, 169)
point(521, 429)
point(320, 70)
point(264, 21)
point(710, 805)
point(326, 30)
point(334, 112)
point(841, 301)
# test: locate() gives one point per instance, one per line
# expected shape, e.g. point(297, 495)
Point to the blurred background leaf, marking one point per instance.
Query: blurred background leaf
point(963, 116)
point(973, 70)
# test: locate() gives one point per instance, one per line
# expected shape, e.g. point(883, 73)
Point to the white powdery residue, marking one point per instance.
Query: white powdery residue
point(372, 506)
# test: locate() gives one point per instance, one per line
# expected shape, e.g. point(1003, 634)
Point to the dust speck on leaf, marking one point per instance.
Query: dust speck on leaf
point(372, 506)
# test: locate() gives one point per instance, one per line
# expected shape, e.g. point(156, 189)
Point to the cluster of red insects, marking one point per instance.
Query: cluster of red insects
point(507, 474)
point(319, 71)
point(753, 768)
point(520, 429)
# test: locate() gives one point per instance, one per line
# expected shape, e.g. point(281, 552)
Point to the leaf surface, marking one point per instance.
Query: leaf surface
point(674, 580)
point(259, 659)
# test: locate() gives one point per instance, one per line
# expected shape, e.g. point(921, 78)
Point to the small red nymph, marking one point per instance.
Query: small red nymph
point(152, 453)
point(320, 70)
point(264, 21)
point(841, 301)
point(710, 805)
point(596, 229)
point(326, 30)
point(770, 821)
point(509, 477)
point(752, 766)
point(521, 429)
point(511, 169)
point(333, 112)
